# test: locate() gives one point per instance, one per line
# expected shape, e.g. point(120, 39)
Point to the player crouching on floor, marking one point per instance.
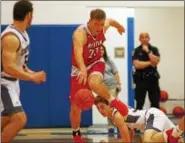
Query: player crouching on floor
point(153, 122)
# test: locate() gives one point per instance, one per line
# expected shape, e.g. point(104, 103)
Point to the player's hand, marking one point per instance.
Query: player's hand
point(82, 77)
point(121, 30)
point(38, 77)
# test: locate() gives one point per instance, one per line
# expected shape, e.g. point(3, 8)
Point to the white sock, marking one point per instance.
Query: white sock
point(176, 132)
point(111, 98)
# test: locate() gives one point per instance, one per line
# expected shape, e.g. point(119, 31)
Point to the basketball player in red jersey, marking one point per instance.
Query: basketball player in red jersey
point(88, 65)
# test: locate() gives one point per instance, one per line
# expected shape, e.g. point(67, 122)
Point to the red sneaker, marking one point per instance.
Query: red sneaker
point(168, 136)
point(78, 139)
point(120, 106)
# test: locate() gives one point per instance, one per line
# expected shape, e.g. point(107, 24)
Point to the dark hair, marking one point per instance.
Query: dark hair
point(21, 9)
point(98, 14)
point(105, 56)
point(100, 99)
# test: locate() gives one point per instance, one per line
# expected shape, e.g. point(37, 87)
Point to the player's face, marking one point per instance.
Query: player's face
point(29, 18)
point(103, 109)
point(102, 51)
point(144, 38)
point(97, 25)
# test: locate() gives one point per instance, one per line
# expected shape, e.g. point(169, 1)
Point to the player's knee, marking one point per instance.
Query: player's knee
point(20, 119)
point(75, 110)
point(94, 81)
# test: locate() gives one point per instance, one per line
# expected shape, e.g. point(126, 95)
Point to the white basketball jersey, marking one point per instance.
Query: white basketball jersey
point(23, 50)
point(135, 119)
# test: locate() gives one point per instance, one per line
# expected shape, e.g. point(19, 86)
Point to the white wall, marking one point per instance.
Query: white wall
point(167, 33)
point(49, 12)
point(166, 28)
point(75, 11)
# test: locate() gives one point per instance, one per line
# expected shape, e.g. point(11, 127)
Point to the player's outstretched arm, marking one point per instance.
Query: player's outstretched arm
point(123, 129)
point(132, 132)
point(111, 22)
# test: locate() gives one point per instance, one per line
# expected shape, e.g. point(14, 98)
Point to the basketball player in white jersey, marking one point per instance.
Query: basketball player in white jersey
point(153, 122)
point(14, 55)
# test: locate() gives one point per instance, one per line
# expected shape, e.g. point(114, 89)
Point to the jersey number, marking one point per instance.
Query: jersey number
point(93, 53)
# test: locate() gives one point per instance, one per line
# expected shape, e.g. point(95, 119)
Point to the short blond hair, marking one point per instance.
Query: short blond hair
point(98, 14)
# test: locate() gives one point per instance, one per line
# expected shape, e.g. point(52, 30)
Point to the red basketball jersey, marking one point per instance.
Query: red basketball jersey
point(92, 47)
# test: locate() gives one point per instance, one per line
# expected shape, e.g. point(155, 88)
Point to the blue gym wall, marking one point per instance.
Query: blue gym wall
point(47, 104)
point(130, 41)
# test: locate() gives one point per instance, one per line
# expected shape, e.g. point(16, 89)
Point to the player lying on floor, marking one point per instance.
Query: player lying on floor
point(152, 122)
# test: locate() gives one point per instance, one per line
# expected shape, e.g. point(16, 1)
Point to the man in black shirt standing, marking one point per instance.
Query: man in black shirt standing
point(145, 59)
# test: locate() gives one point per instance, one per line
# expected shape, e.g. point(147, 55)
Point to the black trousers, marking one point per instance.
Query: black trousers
point(152, 87)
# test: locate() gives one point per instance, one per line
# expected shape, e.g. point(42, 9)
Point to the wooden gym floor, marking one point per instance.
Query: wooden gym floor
point(62, 135)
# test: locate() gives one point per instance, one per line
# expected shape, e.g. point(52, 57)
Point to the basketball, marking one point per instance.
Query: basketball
point(164, 96)
point(163, 109)
point(178, 111)
point(84, 99)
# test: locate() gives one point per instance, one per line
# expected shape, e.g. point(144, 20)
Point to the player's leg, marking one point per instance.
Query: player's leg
point(12, 108)
point(179, 129)
point(16, 123)
point(167, 135)
point(4, 118)
point(95, 81)
point(75, 111)
point(151, 127)
point(75, 118)
point(155, 123)
point(158, 137)
point(172, 135)
point(148, 136)
point(4, 121)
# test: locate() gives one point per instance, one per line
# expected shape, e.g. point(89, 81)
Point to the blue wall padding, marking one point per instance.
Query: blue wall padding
point(47, 105)
point(130, 41)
